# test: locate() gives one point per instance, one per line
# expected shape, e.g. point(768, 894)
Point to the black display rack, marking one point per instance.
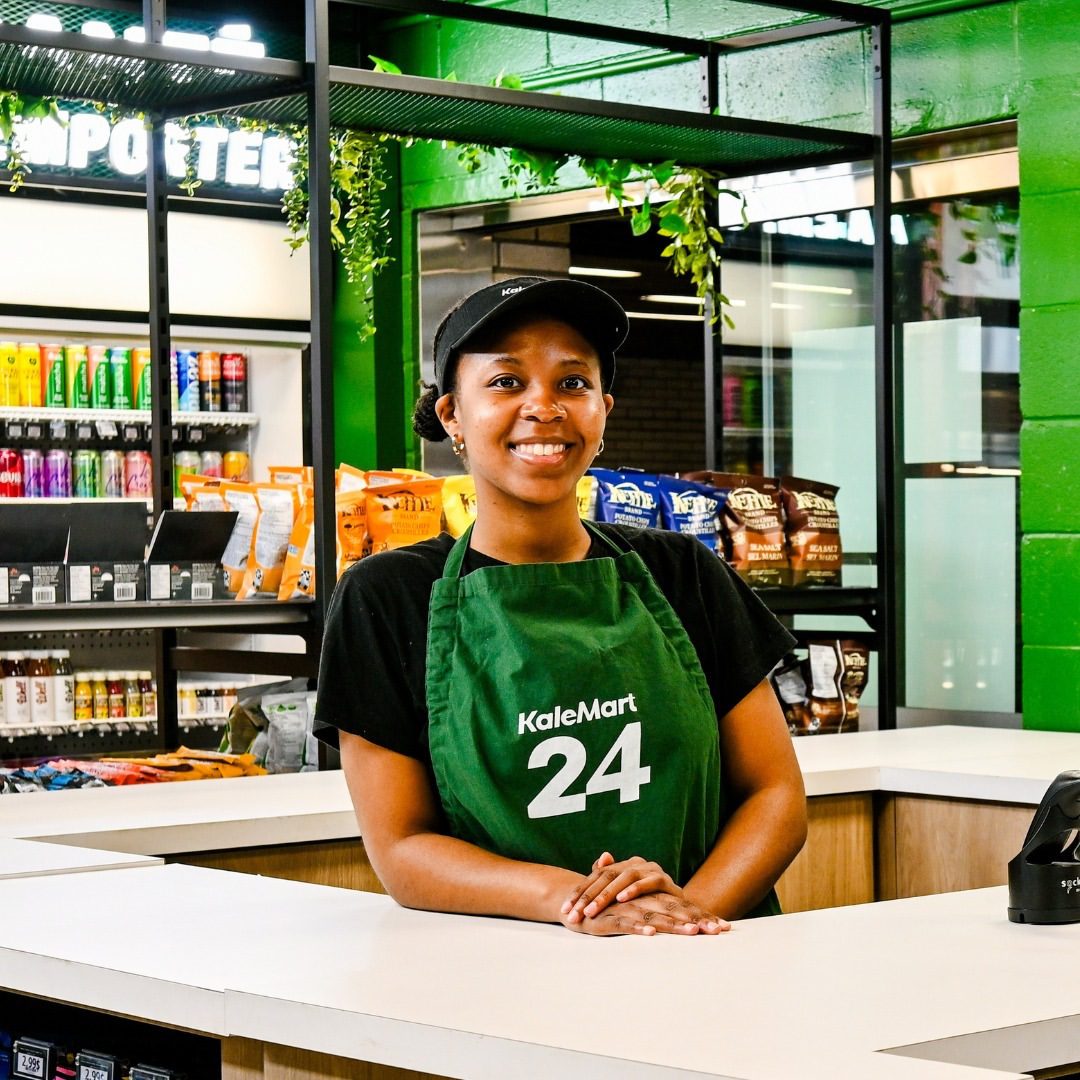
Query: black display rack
point(167, 82)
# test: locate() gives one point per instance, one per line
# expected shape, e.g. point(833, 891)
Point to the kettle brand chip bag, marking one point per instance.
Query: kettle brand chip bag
point(838, 674)
point(691, 508)
point(350, 511)
point(789, 681)
point(753, 523)
point(399, 514)
point(459, 503)
point(627, 498)
point(298, 574)
point(813, 531)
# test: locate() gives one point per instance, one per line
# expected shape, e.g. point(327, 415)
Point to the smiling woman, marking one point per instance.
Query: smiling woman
point(669, 800)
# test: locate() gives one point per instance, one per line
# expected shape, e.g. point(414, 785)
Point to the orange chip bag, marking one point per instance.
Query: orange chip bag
point(278, 506)
point(234, 560)
point(352, 534)
point(192, 484)
point(292, 474)
point(298, 574)
point(349, 478)
point(404, 513)
point(459, 503)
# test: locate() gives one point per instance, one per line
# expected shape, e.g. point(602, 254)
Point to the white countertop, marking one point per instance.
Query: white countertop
point(796, 997)
point(211, 815)
point(29, 858)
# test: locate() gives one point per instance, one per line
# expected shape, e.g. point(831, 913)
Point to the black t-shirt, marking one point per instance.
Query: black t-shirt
point(374, 654)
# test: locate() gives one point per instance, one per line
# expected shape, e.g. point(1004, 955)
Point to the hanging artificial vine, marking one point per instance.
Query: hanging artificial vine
point(14, 109)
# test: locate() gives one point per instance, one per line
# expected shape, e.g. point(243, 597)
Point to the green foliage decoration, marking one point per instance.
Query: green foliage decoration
point(15, 107)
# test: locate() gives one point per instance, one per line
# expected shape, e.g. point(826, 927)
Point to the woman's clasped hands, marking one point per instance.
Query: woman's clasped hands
point(634, 897)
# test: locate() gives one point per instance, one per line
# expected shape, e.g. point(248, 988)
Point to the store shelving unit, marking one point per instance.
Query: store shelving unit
point(167, 82)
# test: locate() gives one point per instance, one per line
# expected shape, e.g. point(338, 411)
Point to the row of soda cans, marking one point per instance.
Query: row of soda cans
point(86, 474)
point(104, 377)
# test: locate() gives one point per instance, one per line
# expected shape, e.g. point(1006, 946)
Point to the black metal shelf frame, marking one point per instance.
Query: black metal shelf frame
point(165, 83)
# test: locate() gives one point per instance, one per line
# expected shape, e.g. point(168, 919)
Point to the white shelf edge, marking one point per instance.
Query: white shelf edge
point(32, 415)
point(183, 334)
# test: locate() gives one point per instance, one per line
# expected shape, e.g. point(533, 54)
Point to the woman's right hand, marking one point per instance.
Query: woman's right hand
point(655, 913)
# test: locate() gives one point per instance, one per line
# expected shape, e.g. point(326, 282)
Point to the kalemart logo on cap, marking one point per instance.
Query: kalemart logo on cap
point(511, 290)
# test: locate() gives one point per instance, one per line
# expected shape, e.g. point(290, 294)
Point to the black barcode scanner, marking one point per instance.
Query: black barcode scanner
point(1044, 879)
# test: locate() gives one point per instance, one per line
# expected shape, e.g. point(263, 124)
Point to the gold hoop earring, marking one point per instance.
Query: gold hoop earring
point(458, 446)
point(600, 448)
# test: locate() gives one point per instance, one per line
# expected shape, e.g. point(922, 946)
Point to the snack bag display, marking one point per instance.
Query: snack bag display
point(192, 487)
point(789, 681)
point(586, 497)
point(298, 573)
point(813, 531)
point(691, 508)
point(627, 498)
point(352, 534)
point(349, 478)
point(292, 474)
point(234, 560)
point(838, 675)
point(278, 506)
point(753, 524)
point(459, 503)
point(403, 513)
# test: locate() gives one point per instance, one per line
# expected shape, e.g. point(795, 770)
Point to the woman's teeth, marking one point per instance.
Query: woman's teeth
point(540, 449)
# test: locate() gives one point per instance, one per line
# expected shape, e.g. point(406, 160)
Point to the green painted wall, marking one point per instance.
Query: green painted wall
point(954, 65)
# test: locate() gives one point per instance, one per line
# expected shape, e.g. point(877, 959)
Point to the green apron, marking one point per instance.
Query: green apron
point(569, 715)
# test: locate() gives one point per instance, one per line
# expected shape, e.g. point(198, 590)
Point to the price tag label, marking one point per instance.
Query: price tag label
point(33, 1059)
point(175, 434)
point(84, 432)
point(95, 1067)
point(15, 429)
point(58, 429)
point(196, 435)
point(106, 429)
point(33, 431)
point(94, 1072)
point(146, 1072)
point(132, 433)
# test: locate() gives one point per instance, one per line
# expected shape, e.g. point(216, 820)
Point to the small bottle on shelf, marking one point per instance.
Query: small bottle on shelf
point(16, 690)
point(39, 676)
point(148, 689)
point(101, 697)
point(188, 706)
point(63, 680)
point(132, 695)
point(84, 697)
point(117, 704)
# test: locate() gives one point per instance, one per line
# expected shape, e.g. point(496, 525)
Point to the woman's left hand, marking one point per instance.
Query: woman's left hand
point(618, 882)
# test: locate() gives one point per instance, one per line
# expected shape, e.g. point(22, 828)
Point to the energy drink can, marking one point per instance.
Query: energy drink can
point(112, 474)
point(211, 464)
point(138, 474)
point(187, 380)
point(11, 474)
point(52, 357)
point(77, 374)
point(58, 474)
point(120, 365)
point(9, 373)
point(187, 461)
point(99, 377)
point(33, 463)
point(86, 467)
point(140, 368)
point(210, 381)
point(174, 383)
point(29, 376)
point(237, 467)
point(234, 382)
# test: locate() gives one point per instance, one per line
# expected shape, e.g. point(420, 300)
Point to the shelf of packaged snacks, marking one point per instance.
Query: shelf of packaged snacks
point(830, 600)
point(31, 414)
point(234, 616)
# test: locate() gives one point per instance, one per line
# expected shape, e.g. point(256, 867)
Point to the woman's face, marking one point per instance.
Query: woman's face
point(530, 409)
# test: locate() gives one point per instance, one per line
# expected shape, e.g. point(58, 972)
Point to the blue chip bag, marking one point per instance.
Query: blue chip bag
point(692, 508)
point(627, 498)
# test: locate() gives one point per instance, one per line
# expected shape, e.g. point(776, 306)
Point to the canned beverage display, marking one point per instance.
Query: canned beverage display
point(210, 382)
point(9, 373)
point(187, 461)
point(11, 474)
point(52, 360)
point(29, 375)
point(140, 374)
point(138, 472)
point(237, 467)
point(174, 383)
point(33, 463)
point(112, 474)
point(120, 375)
point(211, 463)
point(58, 474)
point(99, 376)
point(187, 380)
point(77, 376)
point(86, 469)
point(234, 382)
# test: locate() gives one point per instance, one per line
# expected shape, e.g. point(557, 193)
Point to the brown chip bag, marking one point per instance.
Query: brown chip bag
point(813, 531)
point(789, 683)
point(838, 674)
point(352, 534)
point(403, 513)
point(459, 503)
point(298, 573)
point(753, 525)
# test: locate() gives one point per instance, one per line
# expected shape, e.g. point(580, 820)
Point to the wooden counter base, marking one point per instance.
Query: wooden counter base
point(245, 1059)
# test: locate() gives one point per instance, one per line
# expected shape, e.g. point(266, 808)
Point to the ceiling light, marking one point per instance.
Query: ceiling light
point(794, 286)
point(41, 21)
point(985, 470)
point(232, 47)
point(235, 31)
point(600, 271)
point(136, 34)
point(671, 298)
point(664, 315)
point(785, 307)
point(97, 28)
point(179, 39)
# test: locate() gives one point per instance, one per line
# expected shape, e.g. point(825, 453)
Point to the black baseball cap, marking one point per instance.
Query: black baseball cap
point(595, 314)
